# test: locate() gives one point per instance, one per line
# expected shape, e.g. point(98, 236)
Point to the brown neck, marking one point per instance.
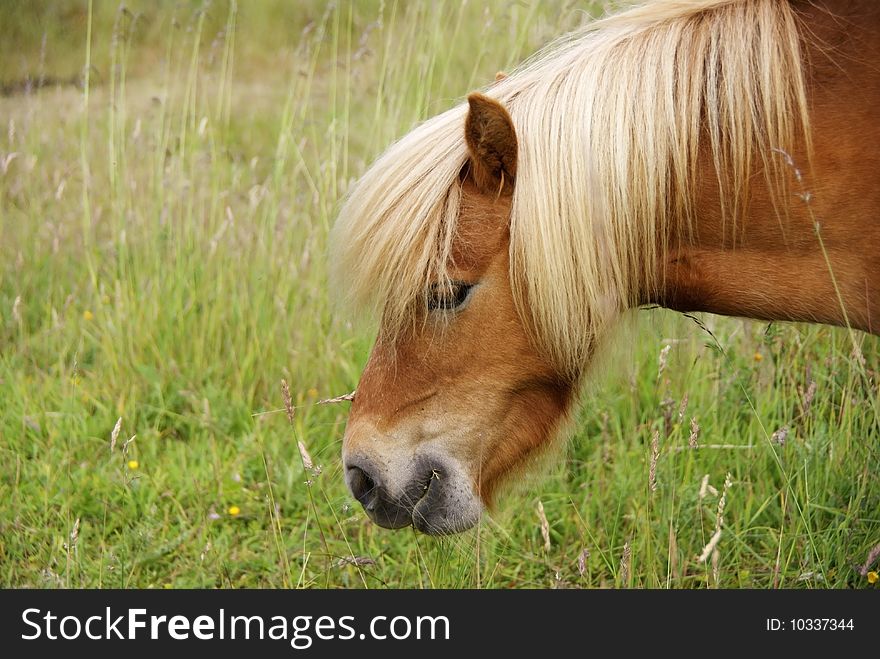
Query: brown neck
point(777, 269)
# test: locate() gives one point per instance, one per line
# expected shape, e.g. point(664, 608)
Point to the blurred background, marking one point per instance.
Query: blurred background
point(169, 172)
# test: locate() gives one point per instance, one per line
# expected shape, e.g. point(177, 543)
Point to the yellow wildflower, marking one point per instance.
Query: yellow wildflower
point(234, 510)
point(133, 464)
point(88, 315)
point(873, 577)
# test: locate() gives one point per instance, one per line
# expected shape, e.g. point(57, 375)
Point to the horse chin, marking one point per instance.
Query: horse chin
point(431, 525)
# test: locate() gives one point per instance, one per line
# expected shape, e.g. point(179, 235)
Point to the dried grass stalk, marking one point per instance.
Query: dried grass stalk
point(345, 398)
point(545, 526)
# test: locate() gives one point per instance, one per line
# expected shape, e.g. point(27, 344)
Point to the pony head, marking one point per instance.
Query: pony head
point(458, 396)
point(499, 241)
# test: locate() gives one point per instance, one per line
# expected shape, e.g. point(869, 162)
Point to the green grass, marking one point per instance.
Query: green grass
point(163, 227)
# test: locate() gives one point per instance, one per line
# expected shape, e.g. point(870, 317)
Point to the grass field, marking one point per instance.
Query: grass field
point(165, 199)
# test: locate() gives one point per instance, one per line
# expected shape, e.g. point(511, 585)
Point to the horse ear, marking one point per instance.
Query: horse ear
point(491, 141)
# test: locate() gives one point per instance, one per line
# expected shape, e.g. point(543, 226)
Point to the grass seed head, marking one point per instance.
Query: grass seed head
point(114, 435)
point(74, 533)
point(779, 436)
point(663, 360)
point(706, 489)
point(655, 455)
point(545, 526)
point(695, 433)
point(288, 402)
point(722, 502)
point(682, 407)
point(582, 561)
point(809, 394)
point(308, 463)
point(873, 555)
point(710, 547)
point(624, 564)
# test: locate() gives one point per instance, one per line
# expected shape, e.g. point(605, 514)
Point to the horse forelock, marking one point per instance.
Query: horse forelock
point(612, 122)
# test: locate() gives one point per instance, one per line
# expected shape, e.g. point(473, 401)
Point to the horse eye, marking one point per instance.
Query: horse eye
point(448, 297)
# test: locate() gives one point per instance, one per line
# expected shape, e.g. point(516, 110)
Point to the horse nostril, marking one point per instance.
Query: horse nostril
point(363, 487)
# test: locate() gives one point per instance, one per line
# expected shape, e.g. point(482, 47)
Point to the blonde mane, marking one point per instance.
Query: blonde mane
point(611, 121)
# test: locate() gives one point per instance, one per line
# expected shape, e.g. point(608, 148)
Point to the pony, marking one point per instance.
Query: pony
point(713, 155)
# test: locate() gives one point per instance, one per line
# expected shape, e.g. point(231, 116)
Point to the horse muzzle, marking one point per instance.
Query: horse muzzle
point(430, 493)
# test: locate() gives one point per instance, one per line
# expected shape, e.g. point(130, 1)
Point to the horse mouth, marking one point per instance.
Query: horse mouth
point(439, 501)
point(420, 518)
point(447, 506)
